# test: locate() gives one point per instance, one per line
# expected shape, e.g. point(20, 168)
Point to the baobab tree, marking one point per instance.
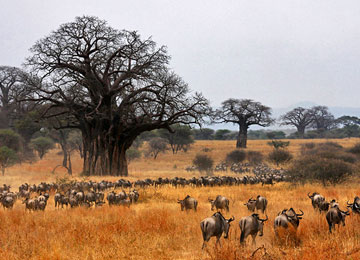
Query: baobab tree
point(244, 113)
point(322, 118)
point(300, 118)
point(112, 86)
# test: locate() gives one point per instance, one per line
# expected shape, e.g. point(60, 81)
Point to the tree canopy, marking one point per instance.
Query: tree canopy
point(112, 85)
point(243, 112)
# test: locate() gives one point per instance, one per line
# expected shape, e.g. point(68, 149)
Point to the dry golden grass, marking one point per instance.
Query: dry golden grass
point(155, 228)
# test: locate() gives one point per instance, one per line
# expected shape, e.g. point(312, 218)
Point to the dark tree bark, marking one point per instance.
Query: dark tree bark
point(244, 112)
point(112, 86)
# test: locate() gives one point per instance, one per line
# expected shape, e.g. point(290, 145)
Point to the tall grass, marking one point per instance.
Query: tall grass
point(155, 228)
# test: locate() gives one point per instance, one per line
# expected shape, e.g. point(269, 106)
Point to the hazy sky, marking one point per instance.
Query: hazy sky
point(275, 52)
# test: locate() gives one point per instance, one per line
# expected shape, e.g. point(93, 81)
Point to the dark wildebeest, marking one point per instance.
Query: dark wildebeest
point(30, 204)
point(251, 204)
point(287, 216)
point(188, 203)
point(355, 206)
point(336, 216)
point(214, 226)
point(134, 195)
point(323, 206)
point(220, 202)
point(8, 202)
point(251, 225)
point(261, 203)
point(57, 199)
point(316, 198)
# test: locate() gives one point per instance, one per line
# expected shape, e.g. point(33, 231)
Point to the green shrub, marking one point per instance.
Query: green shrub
point(355, 149)
point(254, 157)
point(236, 156)
point(316, 168)
point(279, 156)
point(203, 163)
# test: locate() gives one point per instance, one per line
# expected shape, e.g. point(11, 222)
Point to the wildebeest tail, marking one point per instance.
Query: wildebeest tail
point(242, 228)
point(203, 226)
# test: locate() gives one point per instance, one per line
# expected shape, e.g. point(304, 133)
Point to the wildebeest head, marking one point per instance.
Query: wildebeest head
point(355, 206)
point(225, 222)
point(212, 202)
point(260, 223)
point(312, 196)
point(293, 217)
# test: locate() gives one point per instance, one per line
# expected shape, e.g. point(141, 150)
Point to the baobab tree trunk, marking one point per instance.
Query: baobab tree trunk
point(242, 137)
point(301, 131)
point(105, 156)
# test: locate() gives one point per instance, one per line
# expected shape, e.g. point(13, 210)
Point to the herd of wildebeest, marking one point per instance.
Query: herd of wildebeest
point(89, 193)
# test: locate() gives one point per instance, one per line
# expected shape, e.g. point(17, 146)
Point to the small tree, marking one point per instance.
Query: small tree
point(236, 156)
point(42, 145)
point(276, 144)
point(157, 145)
point(203, 163)
point(132, 154)
point(10, 139)
point(8, 157)
point(180, 140)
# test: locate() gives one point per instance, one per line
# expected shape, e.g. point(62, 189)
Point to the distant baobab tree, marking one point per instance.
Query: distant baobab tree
point(299, 117)
point(244, 113)
point(112, 86)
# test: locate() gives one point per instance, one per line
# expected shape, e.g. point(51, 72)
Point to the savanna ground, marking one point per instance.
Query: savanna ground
point(155, 228)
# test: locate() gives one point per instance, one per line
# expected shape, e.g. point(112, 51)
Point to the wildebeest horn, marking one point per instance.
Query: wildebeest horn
point(349, 204)
point(263, 220)
point(231, 219)
point(308, 195)
point(300, 214)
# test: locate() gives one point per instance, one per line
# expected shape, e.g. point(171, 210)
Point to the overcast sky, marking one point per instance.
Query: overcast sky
point(276, 52)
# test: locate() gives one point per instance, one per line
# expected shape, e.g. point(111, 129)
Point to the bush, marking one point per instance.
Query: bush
point(280, 156)
point(203, 163)
point(277, 144)
point(132, 154)
point(317, 168)
point(236, 156)
point(254, 157)
point(355, 149)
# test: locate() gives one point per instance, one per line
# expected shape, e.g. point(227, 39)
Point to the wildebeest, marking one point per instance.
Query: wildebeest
point(355, 206)
point(134, 195)
point(251, 225)
point(336, 216)
point(323, 206)
point(220, 202)
point(251, 204)
point(214, 226)
point(288, 216)
point(316, 198)
point(188, 203)
point(261, 203)
point(8, 202)
point(30, 204)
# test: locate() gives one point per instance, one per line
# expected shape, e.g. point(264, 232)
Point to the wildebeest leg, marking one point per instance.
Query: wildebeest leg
point(203, 245)
point(330, 225)
point(253, 239)
point(218, 240)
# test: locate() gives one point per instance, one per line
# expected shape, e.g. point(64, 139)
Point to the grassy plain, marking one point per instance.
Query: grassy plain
point(155, 228)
